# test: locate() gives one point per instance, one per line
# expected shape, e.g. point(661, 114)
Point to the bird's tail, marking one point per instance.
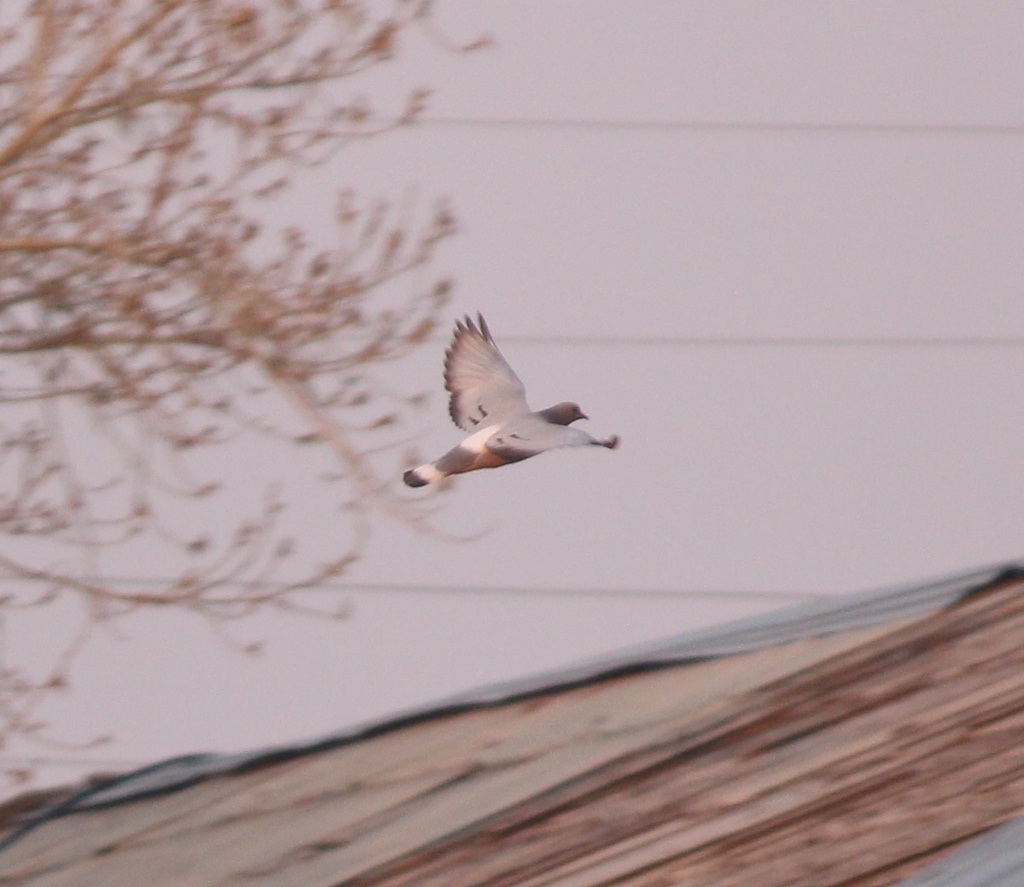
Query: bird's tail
point(423, 475)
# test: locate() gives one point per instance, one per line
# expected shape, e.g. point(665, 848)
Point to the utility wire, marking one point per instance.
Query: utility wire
point(39, 761)
point(625, 593)
point(721, 125)
point(645, 341)
point(485, 590)
point(774, 341)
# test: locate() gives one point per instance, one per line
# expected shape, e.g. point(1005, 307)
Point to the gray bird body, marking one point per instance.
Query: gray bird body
point(488, 400)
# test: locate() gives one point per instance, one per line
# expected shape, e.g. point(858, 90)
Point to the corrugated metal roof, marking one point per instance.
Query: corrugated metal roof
point(815, 619)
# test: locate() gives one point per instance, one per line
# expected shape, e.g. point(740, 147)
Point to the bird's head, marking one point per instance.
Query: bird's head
point(564, 413)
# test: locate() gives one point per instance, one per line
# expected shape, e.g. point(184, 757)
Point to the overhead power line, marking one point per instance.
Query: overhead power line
point(630, 593)
point(11, 761)
point(778, 341)
point(725, 125)
point(486, 590)
point(759, 341)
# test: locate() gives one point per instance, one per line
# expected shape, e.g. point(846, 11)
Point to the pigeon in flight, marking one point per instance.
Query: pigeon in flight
point(488, 400)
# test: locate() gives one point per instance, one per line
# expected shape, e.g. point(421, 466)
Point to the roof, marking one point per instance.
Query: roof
point(696, 759)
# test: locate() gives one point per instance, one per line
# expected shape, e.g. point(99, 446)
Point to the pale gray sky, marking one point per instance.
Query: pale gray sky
point(774, 245)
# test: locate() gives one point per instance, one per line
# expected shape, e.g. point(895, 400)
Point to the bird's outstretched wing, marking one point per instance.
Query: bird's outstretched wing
point(483, 388)
point(530, 436)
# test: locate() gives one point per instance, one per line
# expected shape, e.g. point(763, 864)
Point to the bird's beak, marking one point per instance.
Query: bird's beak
point(583, 415)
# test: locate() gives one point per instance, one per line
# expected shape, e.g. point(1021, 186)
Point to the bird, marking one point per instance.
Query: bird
point(488, 400)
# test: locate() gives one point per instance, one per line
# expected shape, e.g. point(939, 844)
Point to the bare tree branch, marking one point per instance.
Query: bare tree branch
point(151, 311)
